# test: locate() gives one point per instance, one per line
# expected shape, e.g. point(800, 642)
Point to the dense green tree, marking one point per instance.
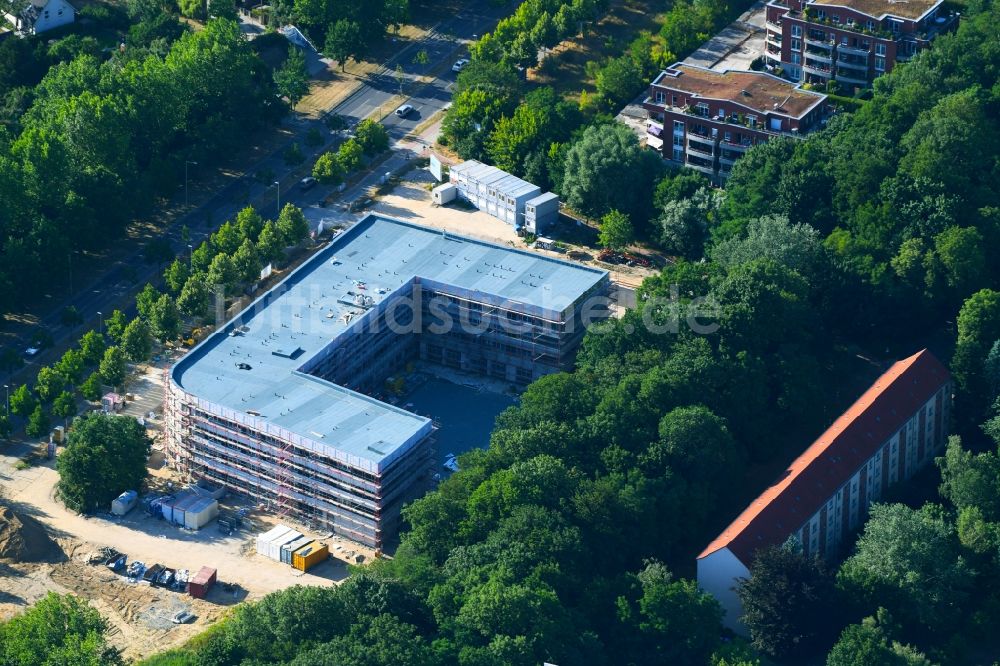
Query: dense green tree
point(606, 169)
point(58, 630)
point(115, 326)
point(195, 299)
point(249, 224)
point(867, 644)
point(176, 275)
point(145, 300)
point(797, 246)
point(105, 455)
point(22, 402)
point(92, 344)
point(164, 319)
point(292, 225)
point(788, 601)
point(350, 155)
point(683, 225)
point(247, 262)
point(971, 480)
point(291, 79)
point(328, 169)
point(616, 231)
point(372, 136)
point(64, 406)
point(6, 427)
point(343, 41)
point(38, 423)
point(485, 92)
point(49, 384)
point(71, 366)
point(91, 388)
point(222, 273)
point(113, 368)
point(136, 342)
point(619, 80)
point(909, 561)
point(227, 238)
point(672, 622)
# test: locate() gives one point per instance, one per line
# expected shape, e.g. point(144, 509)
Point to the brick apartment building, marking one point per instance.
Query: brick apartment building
point(849, 41)
point(706, 120)
point(893, 430)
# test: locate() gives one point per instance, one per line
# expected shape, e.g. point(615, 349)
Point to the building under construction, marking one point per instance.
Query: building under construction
point(278, 403)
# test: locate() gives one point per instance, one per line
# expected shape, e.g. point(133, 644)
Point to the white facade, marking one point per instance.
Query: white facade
point(37, 16)
point(718, 574)
point(540, 213)
point(494, 191)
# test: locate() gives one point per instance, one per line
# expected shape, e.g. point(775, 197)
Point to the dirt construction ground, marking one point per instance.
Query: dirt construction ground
point(140, 614)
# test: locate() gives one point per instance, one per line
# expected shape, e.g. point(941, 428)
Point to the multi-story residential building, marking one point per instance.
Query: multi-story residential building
point(281, 403)
point(706, 120)
point(893, 430)
point(849, 41)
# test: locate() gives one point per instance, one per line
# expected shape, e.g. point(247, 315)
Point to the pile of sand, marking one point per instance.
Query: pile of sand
point(23, 539)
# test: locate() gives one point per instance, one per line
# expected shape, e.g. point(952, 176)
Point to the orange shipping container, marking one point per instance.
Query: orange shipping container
point(308, 556)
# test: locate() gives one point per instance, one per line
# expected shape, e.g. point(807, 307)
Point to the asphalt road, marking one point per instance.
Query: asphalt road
point(118, 286)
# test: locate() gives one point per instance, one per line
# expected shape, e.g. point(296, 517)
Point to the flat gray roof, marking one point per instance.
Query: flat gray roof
point(496, 178)
point(253, 365)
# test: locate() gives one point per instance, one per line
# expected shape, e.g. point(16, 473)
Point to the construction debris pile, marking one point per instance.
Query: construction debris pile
point(23, 539)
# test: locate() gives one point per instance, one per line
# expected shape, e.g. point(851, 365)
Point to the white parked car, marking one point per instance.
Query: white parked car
point(32, 351)
point(459, 65)
point(404, 110)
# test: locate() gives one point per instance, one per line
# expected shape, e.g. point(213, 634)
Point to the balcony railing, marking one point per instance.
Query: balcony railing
point(774, 39)
point(728, 158)
point(853, 50)
point(771, 25)
point(851, 77)
point(773, 51)
point(700, 149)
point(738, 147)
point(823, 44)
point(859, 66)
point(820, 56)
point(700, 165)
point(817, 71)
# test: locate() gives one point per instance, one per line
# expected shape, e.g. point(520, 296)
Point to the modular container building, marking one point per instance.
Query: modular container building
point(308, 556)
point(124, 502)
point(200, 513)
point(493, 191)
point(276, 403)
point(202, 582)
point(292, 546)
point(541, 213)
point(273, 547)
point(444, 194)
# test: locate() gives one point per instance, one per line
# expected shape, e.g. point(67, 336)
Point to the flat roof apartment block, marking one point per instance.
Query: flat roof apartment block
point(278, 402)
point(889, 433)
point(850, 42)
point(706, 120)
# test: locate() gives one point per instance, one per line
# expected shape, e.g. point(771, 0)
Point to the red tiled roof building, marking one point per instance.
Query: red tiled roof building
point(890, 432)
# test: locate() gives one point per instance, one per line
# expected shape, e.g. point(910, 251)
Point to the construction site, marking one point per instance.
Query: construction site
point(285, 404)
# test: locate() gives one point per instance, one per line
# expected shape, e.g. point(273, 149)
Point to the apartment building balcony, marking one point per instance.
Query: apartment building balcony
point(816, 69)
point(820, 56)
point(727, 159)
point(852, 77)
point(735, 147)
point(853, 50)
point(820, 44)
point(699, 148)
point(772, 51)
point(856, 67)
point(704, 166)
point(773, 39)
point(771, 25)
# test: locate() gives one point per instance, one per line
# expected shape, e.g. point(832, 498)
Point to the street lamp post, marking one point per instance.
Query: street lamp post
point(190, 255)
point(6, 388)
point(100, 326)
point(277, 190)
point(186, 163)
